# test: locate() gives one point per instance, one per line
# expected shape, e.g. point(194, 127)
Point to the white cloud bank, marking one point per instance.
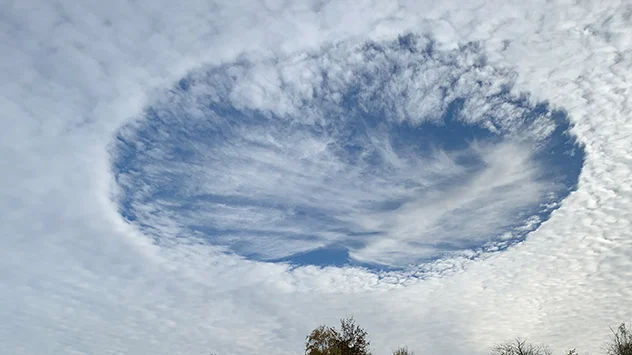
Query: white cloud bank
point(76, 279)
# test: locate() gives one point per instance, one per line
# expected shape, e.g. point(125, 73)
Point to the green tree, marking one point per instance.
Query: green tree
point(321, 341)
point(350, 339)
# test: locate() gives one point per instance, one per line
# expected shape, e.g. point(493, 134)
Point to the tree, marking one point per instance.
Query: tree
point(351, 339)
point(321, 342)
point(403, 351)
point(621, 341)
point(520, 347)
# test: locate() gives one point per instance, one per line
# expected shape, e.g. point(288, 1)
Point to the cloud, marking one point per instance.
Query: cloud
point(85, 281)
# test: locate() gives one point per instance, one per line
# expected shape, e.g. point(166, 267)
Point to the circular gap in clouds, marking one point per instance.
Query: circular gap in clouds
point(384, 155)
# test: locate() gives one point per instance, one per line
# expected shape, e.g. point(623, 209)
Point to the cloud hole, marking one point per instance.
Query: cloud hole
point(385, 155)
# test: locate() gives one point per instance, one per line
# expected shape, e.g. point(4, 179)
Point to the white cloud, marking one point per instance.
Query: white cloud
point(76, 279)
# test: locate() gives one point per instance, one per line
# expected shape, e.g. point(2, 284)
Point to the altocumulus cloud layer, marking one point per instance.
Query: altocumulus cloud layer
point(89, 267)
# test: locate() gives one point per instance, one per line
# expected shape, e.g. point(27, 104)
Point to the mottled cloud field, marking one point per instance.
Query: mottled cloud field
point(77, 277)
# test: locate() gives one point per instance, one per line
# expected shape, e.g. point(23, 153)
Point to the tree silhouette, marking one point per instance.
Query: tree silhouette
point(520, 347)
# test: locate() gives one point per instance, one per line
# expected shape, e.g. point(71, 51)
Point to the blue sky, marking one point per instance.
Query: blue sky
point(213, 176)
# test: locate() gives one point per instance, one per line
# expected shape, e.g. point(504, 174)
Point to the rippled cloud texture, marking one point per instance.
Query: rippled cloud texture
point(83, 83)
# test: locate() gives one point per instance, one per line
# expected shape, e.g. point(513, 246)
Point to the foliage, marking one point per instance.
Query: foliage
point(351, 339)
point(321, 342)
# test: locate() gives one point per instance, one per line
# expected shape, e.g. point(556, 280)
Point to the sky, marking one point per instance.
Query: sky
point(224, 177)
